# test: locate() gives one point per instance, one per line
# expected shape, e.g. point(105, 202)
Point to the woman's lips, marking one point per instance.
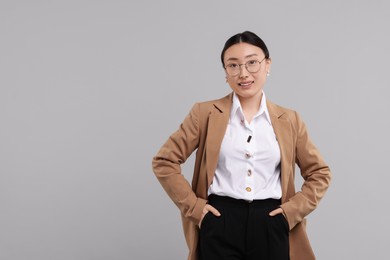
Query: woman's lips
point(245, 84)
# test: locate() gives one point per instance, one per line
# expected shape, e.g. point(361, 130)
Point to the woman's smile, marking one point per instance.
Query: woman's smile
point(246, 84)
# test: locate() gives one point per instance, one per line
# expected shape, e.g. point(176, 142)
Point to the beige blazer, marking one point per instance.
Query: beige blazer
point(203, 130)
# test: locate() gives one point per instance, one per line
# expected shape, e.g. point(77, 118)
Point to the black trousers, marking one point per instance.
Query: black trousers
point(244, 231)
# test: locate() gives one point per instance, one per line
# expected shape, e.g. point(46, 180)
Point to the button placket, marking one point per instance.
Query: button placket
point(249, 165)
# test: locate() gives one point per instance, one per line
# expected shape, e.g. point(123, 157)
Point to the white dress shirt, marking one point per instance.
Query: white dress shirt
point(249, 160)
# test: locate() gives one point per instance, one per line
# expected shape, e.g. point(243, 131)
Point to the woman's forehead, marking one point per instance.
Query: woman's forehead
point(242, 50)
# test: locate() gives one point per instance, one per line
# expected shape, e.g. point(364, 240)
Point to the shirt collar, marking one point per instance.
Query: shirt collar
point(236, 106)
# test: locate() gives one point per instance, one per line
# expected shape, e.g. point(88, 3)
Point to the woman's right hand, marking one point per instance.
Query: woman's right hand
point(208, 208)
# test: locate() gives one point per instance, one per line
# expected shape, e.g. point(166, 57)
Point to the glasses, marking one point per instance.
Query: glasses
point(252, 66)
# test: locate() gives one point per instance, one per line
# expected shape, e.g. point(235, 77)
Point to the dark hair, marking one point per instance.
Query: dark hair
point(248, 37)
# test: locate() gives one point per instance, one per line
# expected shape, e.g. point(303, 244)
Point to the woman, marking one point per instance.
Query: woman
point(242, 203)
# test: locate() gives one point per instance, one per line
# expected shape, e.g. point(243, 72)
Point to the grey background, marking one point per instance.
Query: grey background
point(89, 91)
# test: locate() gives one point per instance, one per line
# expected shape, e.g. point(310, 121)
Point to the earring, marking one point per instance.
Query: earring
point(268, 74)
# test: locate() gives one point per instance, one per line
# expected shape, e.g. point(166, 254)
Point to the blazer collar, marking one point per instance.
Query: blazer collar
point(217, 124)
point(284, 134)
point(224, 104)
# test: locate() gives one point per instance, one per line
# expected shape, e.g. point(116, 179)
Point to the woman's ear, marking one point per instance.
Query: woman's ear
point(269, 61)
point(268, 66)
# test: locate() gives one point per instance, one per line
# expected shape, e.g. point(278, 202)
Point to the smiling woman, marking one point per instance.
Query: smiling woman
point(242, 203)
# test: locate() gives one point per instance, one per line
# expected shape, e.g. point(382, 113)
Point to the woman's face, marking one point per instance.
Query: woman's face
point(246, 84)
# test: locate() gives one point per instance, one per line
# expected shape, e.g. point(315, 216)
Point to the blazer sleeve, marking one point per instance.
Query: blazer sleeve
point(166, 166)
point(315, 172)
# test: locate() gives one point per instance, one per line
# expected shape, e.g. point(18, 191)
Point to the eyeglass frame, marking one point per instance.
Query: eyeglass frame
point(246, 67)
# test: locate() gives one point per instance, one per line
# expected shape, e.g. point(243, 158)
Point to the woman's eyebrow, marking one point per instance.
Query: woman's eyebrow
point(248, 56)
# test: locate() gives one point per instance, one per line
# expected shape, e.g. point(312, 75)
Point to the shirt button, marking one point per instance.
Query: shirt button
point(248, 189)
point(248, 155)
point(249, 172)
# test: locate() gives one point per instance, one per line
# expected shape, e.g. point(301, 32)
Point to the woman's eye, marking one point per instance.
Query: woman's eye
point(233, 65)
point(252, 62)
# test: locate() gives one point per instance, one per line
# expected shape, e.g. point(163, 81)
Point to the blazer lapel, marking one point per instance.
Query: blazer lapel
point(217, 124)
point(283, 132)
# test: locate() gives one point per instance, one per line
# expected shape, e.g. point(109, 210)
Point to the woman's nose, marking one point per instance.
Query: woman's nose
point(243, 71)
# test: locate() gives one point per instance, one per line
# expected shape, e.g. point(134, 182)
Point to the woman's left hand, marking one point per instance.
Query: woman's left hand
point(276, 212)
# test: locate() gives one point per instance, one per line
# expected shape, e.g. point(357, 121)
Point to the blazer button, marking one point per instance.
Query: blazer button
point(248, 189)
point(248, 155)
point(249, 172)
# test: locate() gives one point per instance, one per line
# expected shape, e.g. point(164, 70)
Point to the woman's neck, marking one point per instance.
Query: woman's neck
point(250, 106)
